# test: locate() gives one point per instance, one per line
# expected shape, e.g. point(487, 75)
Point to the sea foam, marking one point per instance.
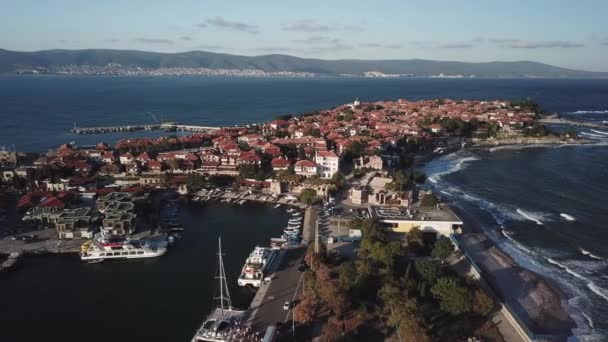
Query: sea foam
point(530, 216)
point(567, 217)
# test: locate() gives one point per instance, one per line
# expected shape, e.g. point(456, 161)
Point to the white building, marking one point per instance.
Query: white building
point(328, 163)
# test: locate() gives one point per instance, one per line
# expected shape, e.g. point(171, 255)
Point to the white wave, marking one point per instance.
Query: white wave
point(530, 216)
point(589, 320)
point(448, 164)
point(569, 270)
point(445, 192)
point(598, 290)
point(515, 242)
point(599, 132)
point(593, 135)
point(589, 254)
point(567, 217)
point(589, 112)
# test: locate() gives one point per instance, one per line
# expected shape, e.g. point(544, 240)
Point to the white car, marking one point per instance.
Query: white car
point(287, 305)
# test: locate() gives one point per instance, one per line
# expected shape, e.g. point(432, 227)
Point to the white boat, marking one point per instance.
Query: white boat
point(278, 205)
point(255, 266)
point(224, 322)
point(290, 210)
point(101, 248)
point(296, 214)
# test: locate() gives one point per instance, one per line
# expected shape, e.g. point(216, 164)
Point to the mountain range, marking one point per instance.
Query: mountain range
point(48, 60)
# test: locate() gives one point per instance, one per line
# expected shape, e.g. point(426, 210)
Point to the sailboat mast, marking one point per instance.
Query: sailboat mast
point(221, 274)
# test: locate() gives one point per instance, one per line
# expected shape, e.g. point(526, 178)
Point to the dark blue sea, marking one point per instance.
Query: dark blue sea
point(547, 207)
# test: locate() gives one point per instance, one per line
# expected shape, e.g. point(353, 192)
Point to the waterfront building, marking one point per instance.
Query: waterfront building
point(441, 221)
point(328, 163)
point(306, 168)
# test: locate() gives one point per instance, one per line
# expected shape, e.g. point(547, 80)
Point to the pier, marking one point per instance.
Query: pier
point(554, 119)
point(167, 126)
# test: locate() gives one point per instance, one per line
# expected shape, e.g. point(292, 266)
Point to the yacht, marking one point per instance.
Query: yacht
point(103, 247)
point(223, 322)
point(255, 266)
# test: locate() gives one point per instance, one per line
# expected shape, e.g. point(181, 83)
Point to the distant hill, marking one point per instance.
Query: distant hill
point(12, 61)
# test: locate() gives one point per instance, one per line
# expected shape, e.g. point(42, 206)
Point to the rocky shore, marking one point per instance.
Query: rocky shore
point(533, 299)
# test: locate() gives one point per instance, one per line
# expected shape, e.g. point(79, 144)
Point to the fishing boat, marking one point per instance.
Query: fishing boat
point(224, 322)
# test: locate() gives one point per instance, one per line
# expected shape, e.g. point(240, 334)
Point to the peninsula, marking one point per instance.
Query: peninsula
point(387, 259)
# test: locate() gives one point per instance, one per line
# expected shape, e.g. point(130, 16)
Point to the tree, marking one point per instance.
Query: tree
point(401, 313)
point(338, 181)
point(453, 298)
point(428, 269)
point(347, 276)
point(308, 196)
point(483, 304)
point(443, 248)
point(429, 201)
point(195, 181)
point(306, 310)
point(414, 238)
point(418, 176)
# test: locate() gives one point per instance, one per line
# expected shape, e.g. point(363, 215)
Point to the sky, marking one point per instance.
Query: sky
point(565, 33)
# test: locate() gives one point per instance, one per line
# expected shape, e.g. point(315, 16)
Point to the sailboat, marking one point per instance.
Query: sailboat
point(222, 322)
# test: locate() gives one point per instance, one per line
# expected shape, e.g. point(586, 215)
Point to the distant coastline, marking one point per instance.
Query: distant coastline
point(130, 62)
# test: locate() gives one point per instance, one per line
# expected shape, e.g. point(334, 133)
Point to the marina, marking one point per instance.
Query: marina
point(173, 294)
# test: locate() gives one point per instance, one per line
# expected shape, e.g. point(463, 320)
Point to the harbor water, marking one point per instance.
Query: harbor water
point(60, 298)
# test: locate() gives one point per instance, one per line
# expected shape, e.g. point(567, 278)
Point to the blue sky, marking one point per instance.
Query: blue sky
point(560, 32)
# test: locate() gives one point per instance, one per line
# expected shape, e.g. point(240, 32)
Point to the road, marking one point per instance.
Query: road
point(268, 309)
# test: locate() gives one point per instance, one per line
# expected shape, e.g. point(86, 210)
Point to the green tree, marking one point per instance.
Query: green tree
point(428, 269)
point(195, 181)
point(418, 176)
point(429, 201)
point(338, 181)
point(308, 196)
point(453, 298)
point(443, 248)
point(414, 238)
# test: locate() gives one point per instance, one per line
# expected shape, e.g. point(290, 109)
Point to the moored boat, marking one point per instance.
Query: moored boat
point(223, 324)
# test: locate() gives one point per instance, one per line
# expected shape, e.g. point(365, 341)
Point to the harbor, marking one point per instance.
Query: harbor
point(172, 293)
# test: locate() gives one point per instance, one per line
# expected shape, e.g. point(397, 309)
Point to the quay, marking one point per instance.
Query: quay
point(168, 126)
point(554, 119)
point(235, 197)
point(47, 242)
point(286, 282)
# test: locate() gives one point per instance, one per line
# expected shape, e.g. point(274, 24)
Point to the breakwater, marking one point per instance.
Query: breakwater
point(168, 126)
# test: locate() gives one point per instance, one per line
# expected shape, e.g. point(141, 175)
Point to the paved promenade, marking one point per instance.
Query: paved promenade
point(267, 305)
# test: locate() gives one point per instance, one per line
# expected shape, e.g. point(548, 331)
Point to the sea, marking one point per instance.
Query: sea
point(545, 206)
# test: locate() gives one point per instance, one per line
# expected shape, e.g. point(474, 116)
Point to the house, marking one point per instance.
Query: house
point(436, 128)
point(328, 163)
point(154, 166)
point(126, 158)
point(249, 158)
point(77, 223)
point(143, 157)
point(279, 164)
point(306, 168)
point(369, 162)
point(108, 157)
